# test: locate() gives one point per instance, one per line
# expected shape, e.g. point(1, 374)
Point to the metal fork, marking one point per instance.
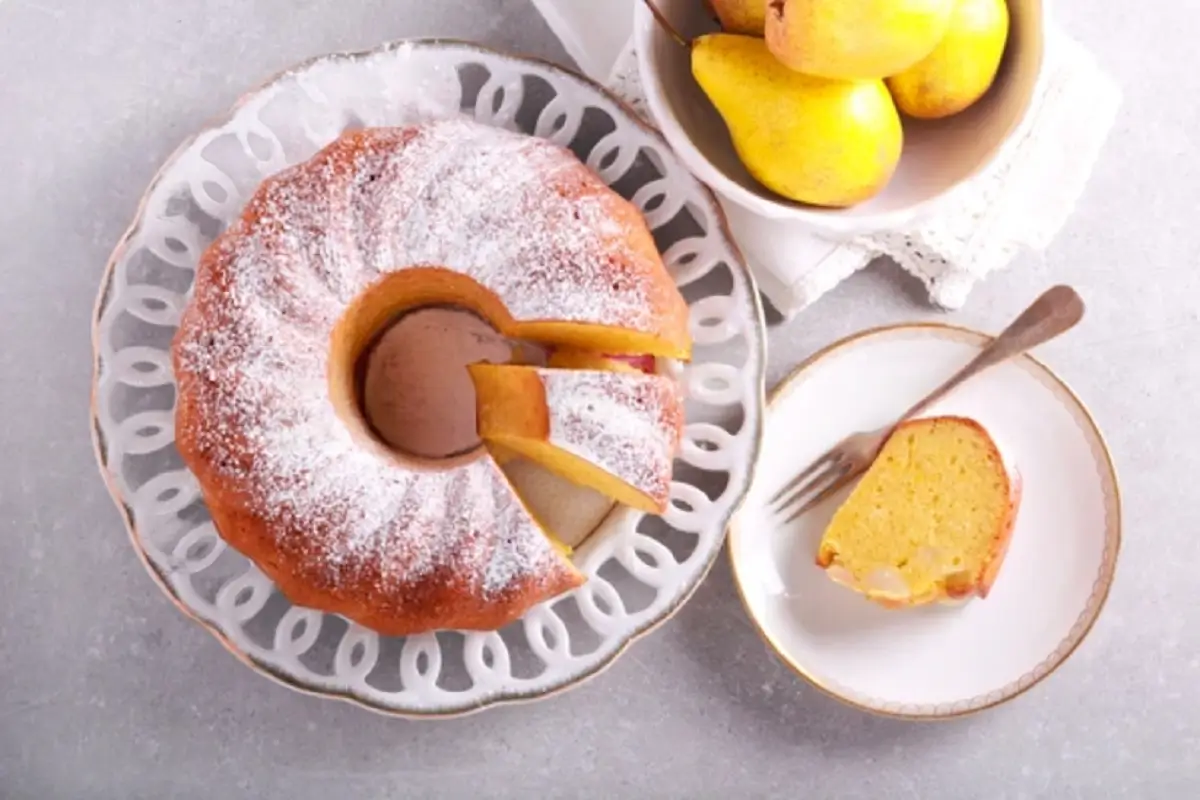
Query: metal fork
point(1054, 313)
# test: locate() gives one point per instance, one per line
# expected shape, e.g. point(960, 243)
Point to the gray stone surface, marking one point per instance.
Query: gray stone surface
point(106, 691)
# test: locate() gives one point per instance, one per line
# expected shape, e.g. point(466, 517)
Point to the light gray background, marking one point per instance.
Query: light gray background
point(106, 691)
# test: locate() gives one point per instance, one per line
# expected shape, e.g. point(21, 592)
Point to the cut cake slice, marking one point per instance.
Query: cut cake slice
point(613, 431)
point(930, 520)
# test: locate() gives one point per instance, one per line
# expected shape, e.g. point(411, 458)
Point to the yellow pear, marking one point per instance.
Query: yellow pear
point(961, 68)
point(741, 16)
point(855, 38)
point(814, 140)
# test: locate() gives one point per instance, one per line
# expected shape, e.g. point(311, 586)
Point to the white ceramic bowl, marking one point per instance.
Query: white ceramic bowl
point(937, 155)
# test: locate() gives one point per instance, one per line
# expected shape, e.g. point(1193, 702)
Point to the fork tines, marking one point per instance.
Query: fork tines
point(814, 485)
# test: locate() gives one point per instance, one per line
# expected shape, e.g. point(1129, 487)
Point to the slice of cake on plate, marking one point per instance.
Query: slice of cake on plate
point(929, 521)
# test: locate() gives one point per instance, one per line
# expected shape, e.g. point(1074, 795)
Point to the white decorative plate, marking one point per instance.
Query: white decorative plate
point(934, 661)
point(640, 568)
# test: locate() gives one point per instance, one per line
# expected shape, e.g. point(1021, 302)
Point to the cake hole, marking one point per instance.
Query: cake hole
point(398, 368)
point(902, 563)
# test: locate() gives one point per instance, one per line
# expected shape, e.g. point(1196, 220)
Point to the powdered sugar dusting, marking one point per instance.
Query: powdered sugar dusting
point(627, 423)
point(512, 212)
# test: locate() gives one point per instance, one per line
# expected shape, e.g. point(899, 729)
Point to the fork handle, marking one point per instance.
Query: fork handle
point(1055, 312)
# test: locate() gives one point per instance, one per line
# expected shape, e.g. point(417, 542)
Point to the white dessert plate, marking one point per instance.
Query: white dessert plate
point(640, 569)
point(941, 660)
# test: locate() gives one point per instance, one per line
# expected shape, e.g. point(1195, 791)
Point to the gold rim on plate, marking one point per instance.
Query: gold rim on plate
point(1078, 631)
point(266, 670)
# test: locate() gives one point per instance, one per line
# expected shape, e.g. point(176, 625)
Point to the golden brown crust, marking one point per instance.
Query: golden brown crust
point(441, 595)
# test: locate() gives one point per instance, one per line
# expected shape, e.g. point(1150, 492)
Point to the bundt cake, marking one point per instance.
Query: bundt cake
point(324, 257)
point(616, 431)
point(930, 520)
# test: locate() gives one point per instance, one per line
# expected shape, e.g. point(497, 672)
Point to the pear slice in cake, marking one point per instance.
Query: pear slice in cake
point(571, 358)
point(615, 431)
point(929, 521)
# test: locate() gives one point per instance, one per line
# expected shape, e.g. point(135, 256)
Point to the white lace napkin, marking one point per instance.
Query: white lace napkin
point(1021, 201)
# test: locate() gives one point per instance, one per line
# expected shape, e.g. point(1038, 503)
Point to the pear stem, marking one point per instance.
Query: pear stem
point(662, 20)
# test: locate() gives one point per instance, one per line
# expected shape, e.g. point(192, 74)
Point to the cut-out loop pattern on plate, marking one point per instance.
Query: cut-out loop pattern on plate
point(709, 447)
point(142, 367)
point(357, 653)
point(297, 632)
point(559, 121)
point(486, 658)
point(713, 384)
point(198, 549)
point(203, 188)
point(421, 662)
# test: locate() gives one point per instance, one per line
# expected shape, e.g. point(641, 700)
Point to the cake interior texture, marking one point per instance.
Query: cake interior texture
point(930, 519)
